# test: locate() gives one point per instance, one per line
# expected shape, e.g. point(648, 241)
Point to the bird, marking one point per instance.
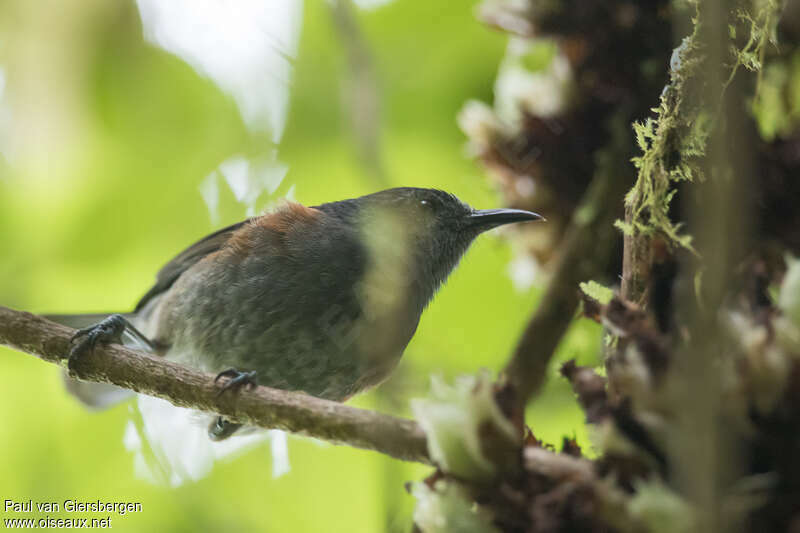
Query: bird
point(321, 300)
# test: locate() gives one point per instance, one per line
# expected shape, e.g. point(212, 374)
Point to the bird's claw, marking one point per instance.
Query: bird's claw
point(221, 429)
point(106, 331)
point(236, 379)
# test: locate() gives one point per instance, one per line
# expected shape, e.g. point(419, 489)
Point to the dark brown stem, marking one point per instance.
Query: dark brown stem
point(636, 261)
point(587, 250)
point(262, 407)
point(636, 264)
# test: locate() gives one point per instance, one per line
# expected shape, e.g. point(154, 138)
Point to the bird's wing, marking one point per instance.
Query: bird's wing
point(184, 260)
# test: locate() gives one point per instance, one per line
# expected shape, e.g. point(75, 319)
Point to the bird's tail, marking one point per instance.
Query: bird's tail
point(93, 395)
point(170, 443)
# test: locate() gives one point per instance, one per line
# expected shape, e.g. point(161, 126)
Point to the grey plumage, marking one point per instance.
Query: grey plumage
point(322, 300)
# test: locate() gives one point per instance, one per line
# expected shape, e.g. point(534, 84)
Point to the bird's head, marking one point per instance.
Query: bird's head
point(423, 233)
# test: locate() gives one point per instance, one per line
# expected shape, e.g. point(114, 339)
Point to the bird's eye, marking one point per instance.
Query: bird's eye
point(424, 202)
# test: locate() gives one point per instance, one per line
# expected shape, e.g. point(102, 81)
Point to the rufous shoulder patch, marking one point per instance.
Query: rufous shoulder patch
point(273, 228)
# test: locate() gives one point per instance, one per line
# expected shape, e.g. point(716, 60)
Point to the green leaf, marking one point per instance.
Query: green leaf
point(598, 292)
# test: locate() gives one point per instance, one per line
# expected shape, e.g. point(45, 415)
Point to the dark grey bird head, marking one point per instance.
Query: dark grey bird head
point(422, 233)
point(445, 218)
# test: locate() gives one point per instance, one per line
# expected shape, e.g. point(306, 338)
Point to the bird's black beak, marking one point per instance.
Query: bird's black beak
point(486, 219)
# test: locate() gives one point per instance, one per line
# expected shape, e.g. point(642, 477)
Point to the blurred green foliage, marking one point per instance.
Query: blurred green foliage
point(90, 214)
point(777, 105)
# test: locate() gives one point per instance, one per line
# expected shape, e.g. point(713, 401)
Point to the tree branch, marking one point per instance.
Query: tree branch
point(262, 407)
point(361, 92)
point(636, 261)
point(588, 247)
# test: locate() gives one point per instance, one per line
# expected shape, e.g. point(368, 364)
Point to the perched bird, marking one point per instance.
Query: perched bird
point(317, 299)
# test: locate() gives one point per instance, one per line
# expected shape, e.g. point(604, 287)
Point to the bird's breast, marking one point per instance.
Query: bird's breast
point(329, 317)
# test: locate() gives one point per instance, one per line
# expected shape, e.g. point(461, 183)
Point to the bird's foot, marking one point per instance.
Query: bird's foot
point(221, 429)
point(236, 380)
point(106, 331)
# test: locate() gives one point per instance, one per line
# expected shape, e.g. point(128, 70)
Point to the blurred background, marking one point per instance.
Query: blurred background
point(128, 130)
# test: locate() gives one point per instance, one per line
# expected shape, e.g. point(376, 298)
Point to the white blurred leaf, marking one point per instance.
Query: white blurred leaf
point(245, 46)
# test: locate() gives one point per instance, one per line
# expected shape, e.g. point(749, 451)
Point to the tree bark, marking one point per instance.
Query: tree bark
point(262, 406)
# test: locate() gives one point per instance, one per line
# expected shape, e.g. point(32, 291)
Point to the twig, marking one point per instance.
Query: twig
point(588, 248)
point(636, 261)
point(263, 407)
point(361, 89)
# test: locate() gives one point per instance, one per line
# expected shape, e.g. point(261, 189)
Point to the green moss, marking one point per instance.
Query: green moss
point(596, 291)
point(777, 105)
point(673, 142)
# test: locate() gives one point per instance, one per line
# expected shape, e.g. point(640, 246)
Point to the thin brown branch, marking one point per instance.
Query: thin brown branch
point(636, 261)
point(262, 407)
point(360, 91)
point(588, 248)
